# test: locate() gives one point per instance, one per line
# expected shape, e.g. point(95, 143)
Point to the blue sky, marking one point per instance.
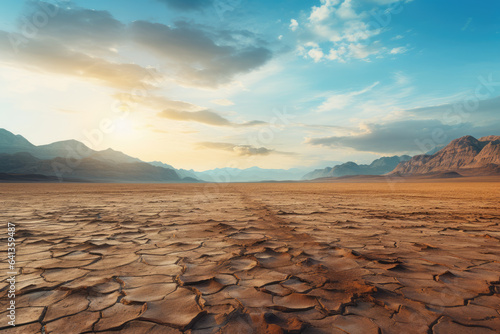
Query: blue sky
point(239, 83)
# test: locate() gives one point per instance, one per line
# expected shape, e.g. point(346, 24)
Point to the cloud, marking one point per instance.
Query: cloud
point(453, 113)
point(197, 58)
point(76, 42)
point(91, 30)
point(180, 110)
point(88, 44)
point(249, 150)
point(387, 2)
point(202, 116)
point(343, 30)
point(322, 12)
point(241, 150)
point(188, 5)
point(156, 102)
point(52, 56)
point(223, 102)
point(293, 25)
point(407, 136)
point(346, 11)
point(316, 54)
point(398, 50)
point(340, 101)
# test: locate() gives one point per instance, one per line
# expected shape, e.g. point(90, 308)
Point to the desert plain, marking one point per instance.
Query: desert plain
point(386, 257)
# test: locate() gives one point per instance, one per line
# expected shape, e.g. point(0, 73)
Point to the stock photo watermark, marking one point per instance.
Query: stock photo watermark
point(11, 273)
point(31, 25)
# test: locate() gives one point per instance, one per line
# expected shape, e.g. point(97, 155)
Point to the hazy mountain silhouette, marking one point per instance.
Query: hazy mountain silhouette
point(74, 161)
point(183, 173)
point(252, 174)
point(71, 159)
point(377, 167)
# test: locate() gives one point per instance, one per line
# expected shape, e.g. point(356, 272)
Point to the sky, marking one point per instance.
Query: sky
point(205, 84)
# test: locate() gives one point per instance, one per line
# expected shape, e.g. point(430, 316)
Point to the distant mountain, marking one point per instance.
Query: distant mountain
point(466, 155)
point(183, 173)
point(72, 159)
point(65, 148)
point(252, 174)
point(377, 167)
point(88, 169)
point(18, 155)
point(73, 149)
point(11, 143)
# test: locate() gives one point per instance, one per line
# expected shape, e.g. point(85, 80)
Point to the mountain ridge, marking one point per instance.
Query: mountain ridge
point(464, 155)
point(71, 159)
point(379, 166)
point(251, 174)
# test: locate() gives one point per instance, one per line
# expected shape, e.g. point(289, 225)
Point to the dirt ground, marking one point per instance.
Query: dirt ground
point(389, 257)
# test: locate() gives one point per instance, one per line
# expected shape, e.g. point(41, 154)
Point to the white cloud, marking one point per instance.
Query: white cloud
point(401, 79)
point(360, 51)
point(336, 54)
point(293, 24)
point(398, 50)
point(345, 51)
point(316, 54)
point(340, 101)
point(346, 11)
point(241, 150)
point(346, 31)
point(322, 12)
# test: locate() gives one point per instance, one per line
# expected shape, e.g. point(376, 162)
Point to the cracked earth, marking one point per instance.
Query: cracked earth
point(254, 258)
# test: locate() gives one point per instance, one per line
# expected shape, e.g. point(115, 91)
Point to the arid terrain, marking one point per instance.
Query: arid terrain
point(386, 257)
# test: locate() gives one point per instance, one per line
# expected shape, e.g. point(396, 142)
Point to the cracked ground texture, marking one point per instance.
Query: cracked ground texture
point(254, 258)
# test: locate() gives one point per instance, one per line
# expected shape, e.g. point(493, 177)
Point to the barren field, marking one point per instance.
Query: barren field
point(254, 258)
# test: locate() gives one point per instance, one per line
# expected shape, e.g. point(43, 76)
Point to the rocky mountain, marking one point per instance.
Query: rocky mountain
point(466, 155)
point(73, 160)
point(377, 167)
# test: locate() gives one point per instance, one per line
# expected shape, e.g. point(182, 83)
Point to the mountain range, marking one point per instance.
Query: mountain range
point(465, 156)
point(71, 160)
point(379, 166)
point(251, 174)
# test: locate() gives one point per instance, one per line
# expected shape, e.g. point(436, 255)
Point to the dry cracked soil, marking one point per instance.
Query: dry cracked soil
point(254, 258)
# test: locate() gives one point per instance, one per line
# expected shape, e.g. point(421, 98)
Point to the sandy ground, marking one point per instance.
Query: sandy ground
point(254, 258)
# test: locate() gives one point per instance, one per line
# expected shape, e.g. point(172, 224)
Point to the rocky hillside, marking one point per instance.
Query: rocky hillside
point(465, 155)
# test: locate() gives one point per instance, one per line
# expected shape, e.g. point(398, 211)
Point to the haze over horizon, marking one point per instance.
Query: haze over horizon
point(234, 83)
